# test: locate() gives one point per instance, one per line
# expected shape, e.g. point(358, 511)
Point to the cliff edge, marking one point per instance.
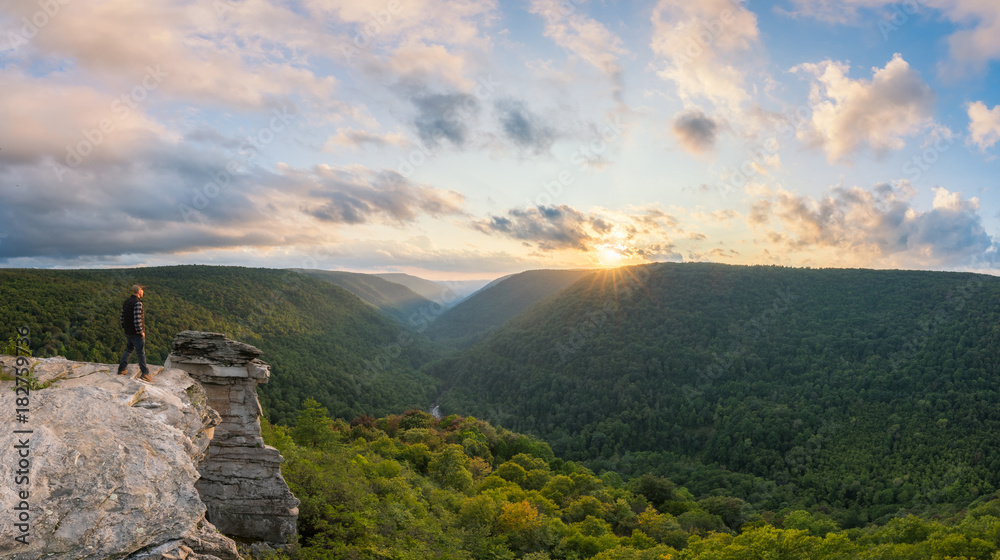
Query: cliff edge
point(100, 466)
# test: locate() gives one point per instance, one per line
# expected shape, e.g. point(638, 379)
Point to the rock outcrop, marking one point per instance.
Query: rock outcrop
point(241, 482)
point(112, 466)
point(114, 463)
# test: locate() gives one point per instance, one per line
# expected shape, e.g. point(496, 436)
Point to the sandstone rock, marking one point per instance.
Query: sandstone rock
point(214, 348)
point(115, 463)
point(241, 482)
point(112, 472)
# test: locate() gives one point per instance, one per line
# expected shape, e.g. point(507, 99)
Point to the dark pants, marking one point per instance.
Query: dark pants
point(138, 343)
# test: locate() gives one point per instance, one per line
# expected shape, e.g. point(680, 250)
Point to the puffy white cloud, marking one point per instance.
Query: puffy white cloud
point(700, 43)
point(851, 114)
point(984, 125)
point(877, 227)
point(978, 39)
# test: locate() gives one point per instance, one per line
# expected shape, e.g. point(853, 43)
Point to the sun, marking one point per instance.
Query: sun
point(615, 248)
point(608, 255)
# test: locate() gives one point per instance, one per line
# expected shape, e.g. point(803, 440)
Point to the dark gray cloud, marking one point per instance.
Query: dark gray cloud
point(169, 198)
point(213, 137)
point(155, 202)
point(696, 131)
point(548, 227)
point(353, 196)
point(524, 128)
point(444, 117)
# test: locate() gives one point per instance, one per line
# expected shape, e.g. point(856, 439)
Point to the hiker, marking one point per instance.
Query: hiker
point(132, 320)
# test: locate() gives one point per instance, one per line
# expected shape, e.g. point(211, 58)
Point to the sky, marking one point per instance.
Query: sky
point(472, 138)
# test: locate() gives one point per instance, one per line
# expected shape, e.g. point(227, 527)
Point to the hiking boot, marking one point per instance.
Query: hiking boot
point(123, 372)
point(145, 378)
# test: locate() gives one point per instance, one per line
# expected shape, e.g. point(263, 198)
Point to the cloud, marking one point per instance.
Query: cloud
point(604, 237)
point(696, 131)
point(984, 125)
point(132, 206)
point(723, 217)
point(429, 21)
point(524, 128)
point(976, 41)
point(850, 114)
point(878, 227)
point(45, 117)
point(234, 59)
point(171, 198)
point(419, 64)
point(357, 195)
point(699, 44)
point(351, 138)
point(830, 11)
point(444, 116)
point(585, 38)
point(419, 45)
point(549, 227)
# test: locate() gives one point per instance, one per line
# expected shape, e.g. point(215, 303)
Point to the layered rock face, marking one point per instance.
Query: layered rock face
point(111, 470)
point(241, 482)
point(121, 470)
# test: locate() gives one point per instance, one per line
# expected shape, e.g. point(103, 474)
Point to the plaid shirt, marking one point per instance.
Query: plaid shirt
point(138, 323)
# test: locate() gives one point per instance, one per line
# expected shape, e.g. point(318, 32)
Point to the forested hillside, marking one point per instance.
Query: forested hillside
point(476, 317)
point(862, 394)
point(410, 487)
point(860, 390)
point(394, 300)
point(321, 341)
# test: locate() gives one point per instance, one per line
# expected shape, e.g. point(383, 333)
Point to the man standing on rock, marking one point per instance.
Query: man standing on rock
point(133, 321)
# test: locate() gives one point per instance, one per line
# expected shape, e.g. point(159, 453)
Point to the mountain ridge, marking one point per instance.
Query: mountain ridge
point(748, 374)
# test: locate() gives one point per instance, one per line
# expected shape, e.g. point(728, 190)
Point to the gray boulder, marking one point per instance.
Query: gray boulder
point(112, 466)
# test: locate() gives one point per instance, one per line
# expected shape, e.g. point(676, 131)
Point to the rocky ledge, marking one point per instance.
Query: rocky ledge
point(124, 470)
point(241, 479)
